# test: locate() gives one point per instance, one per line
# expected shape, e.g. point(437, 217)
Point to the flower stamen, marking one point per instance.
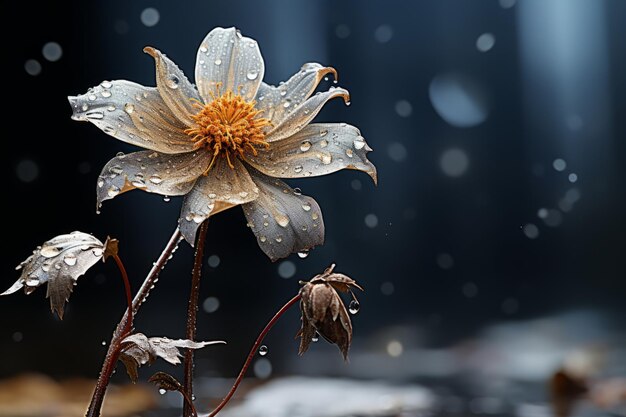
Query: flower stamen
point(228, 126)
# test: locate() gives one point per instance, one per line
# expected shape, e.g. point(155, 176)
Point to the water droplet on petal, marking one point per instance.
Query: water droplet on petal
point(113, 191)
point(49, 251)
point(106, 84)
point(282, 220)
point(172, 82)
point(70, 259)
point(116, 169)
point(323, 143)
point(129, 108)
point(32, 281)
point(297, 191)
point(155, 179)
point(252, 74)
point(218, 61)
point(95, 115)
point(326, 158)
point(303, 254)
point(262, 238)
point(354, 307)
point(306, 207)
point(359, 142)
point(92, 97)
point(298, 168)
point(84, 107)
point(263, 350)
point(305, 146)
point(106, 93)
point(349, 153)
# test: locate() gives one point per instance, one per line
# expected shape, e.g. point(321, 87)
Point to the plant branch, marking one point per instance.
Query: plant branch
point(129, 295)
point(110, 360)
point(192, 315)
point(253, 352)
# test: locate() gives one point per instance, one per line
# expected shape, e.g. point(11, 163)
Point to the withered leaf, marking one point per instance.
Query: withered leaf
point(167, 382)
point(59, 262)
point(323, 310)
point(138, 349)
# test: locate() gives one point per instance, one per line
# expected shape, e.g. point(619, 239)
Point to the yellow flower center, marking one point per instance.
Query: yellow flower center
point(228, 126)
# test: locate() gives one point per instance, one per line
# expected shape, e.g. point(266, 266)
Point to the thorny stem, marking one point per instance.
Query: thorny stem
point(253, 352)
point(192, 313)
point(129, 296)
point(110, 360)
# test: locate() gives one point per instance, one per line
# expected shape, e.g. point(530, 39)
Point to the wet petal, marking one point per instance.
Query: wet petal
point(175, 89)
point(152, 172)
point(228, 58)
point(318, 149)
point(222, 188)
point(277, 102)
point(303, 114)
point(283, 220)
point(134, 114)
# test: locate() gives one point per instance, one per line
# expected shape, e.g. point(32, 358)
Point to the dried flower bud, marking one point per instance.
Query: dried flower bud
point(323, 310)
point(58, 262)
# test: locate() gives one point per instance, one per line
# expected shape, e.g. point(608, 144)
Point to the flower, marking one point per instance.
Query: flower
point(59, 262)
point(226, 142)
point(323, 311)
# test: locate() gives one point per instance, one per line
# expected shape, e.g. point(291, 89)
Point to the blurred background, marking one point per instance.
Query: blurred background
point(491, 251)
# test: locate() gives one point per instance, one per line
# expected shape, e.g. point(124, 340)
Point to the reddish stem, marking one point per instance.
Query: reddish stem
point(110, 360)
point(129, 296)
point(192, 315)
point(253, 352)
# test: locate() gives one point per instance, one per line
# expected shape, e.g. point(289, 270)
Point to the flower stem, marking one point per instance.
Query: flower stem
point(129, 295)
point(113, 352)
point(253, 352)
point(192, 315)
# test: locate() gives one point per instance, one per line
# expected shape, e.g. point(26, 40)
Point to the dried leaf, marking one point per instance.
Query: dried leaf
point(111, 247)
point(58, 262)
point(323, 310)
point(165, 381)
point(137, 349)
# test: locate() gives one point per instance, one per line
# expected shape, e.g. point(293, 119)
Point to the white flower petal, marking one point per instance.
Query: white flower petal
point(318, 149)
point(152, 172)
point(277, 102)
point(304, 113)
point(175, 89)
point(283, 220)
point(228, 58)
point(134, 114)
point(222, 188)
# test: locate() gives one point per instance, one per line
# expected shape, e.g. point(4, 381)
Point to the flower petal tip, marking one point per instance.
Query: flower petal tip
point(150, 51)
